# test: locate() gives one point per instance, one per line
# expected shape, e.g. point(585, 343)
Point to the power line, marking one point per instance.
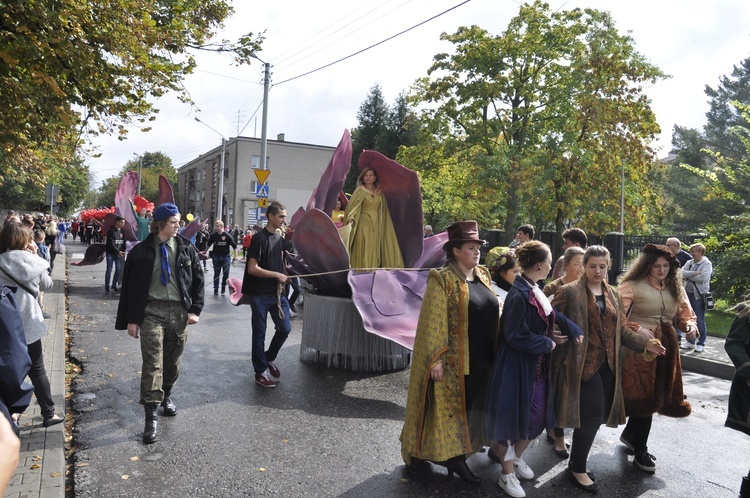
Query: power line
point(373, 45)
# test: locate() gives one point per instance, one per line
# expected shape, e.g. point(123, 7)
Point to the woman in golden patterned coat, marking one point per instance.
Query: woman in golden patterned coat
point(653, 297)
point(453, 353)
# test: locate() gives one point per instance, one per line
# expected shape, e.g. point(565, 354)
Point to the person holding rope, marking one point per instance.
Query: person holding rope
point(372, 242)
point(264, 283)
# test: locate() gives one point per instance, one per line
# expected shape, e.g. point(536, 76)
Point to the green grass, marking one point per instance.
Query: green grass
point(719, 319)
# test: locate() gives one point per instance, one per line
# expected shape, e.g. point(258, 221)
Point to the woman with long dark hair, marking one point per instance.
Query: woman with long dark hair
point(653, 298)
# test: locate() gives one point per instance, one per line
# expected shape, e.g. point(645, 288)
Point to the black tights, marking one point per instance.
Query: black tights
point(595, 404)
point(38, 376)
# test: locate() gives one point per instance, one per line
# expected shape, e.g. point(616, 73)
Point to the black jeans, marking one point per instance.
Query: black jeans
point(38, 376)
point(637, 431)
point(595, 404)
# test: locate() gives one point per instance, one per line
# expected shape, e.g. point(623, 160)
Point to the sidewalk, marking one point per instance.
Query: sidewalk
point(41, 470)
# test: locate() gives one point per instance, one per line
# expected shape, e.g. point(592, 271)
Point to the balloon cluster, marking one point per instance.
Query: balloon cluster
point(97, 214)
point(142, 203)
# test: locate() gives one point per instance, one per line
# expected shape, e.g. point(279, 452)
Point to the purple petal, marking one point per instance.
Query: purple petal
point(125, 191)
point(192, 228)
point(296, 217)
point(319, 244)
point(165, 191)
point(332, 180)
point(93, 256)
point(433, 255)
point(400, 186)
point(389, 302)
point(236, 297)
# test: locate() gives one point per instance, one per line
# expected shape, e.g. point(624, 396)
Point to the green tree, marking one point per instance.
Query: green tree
point(152, 165)
point(381, 128)
point(553, 108)
point(74, 68)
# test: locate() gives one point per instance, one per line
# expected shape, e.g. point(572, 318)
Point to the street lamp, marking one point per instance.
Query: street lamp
point(140, 171)
point(221, 170)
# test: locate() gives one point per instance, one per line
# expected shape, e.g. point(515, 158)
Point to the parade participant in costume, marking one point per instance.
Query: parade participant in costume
point(571, 270)
point(504, 268)
point(142, 221)
point(20, 267)
point(737, 347)
point(162, 293)
point(453, 353)
point(587, 377)
point(372, 242)
point(652, 296)
point(338, 213)
point(520, 405)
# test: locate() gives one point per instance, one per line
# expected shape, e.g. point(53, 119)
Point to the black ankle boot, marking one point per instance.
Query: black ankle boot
point(170, 409)
point(458, 466)
point(149, 431)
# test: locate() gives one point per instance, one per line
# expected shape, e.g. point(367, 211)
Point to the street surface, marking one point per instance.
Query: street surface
point(322, 432)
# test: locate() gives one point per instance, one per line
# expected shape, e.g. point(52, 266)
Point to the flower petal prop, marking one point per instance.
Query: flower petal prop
point(332, 180)
point(165, 191)
point(93, 256)
point(125, 191)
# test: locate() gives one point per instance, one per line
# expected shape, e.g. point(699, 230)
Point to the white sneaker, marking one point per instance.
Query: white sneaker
point(687, 346)
point(522, 469)
point(699, 348)
point(509, 483)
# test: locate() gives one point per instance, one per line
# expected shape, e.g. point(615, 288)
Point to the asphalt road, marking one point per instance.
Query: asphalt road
point(322, 432)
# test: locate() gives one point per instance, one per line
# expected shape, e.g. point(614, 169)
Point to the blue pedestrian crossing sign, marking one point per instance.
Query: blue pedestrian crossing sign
point(261, 190)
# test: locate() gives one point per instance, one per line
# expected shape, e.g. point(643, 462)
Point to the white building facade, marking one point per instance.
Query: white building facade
point(295, 172)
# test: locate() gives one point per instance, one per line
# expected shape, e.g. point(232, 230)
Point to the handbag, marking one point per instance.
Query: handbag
point(708, 301)
point(15, 394)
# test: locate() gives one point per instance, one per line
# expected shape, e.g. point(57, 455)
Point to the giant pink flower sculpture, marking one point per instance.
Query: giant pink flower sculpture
point(388, 300)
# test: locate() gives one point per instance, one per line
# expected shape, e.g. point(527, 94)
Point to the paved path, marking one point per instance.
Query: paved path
point(330, 405)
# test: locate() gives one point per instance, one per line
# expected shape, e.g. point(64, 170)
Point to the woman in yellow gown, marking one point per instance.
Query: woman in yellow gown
point(372, 241)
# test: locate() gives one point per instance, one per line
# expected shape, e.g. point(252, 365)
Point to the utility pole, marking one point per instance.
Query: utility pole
point(220, 197)
point(264, 119)
point(140, 171)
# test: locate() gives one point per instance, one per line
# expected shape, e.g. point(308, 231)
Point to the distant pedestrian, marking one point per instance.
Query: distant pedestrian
point(674, 245)
point(696, 276)
point(737, 347)
point(219, 243)
point(265, 274)
point(162, 293)
point(115, 252)
point(572, 237)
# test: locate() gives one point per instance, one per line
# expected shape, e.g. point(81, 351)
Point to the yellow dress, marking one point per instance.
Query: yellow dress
point(372, 242)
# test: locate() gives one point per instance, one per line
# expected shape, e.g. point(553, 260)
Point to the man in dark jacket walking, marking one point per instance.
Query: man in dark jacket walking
point(162, 293)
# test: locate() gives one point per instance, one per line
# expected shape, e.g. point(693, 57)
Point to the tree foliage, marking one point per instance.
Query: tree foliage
point(73, 68)
point(152, 164)
point(552, 109)
point(380, 128)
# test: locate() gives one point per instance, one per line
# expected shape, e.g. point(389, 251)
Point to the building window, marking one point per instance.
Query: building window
point(255, 162)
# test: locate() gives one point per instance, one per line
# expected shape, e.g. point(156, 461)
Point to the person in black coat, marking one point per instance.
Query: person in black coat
point(162, 293)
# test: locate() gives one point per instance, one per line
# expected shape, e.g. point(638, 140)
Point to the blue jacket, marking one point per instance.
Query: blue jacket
point(522, 339)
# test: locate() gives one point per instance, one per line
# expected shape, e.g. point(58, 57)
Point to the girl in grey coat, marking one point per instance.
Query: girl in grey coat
point(20, 267)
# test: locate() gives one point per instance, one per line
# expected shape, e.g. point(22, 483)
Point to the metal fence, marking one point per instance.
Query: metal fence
point(623, 248)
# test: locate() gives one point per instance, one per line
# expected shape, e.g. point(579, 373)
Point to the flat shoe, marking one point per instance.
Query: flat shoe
point(53, 420)
point(592, 488)
point(562, 453)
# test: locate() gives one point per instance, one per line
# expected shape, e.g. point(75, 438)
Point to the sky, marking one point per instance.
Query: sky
point(694, 42)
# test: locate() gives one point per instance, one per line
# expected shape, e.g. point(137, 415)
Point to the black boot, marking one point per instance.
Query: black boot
point(458, 465)
point(170, 409)
point(149, 431)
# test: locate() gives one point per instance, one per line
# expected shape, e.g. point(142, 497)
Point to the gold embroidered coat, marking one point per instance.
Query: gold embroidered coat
point(436, 426)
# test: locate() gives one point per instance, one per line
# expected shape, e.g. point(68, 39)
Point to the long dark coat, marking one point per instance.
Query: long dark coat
point(737, 347)
point(523, 337)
